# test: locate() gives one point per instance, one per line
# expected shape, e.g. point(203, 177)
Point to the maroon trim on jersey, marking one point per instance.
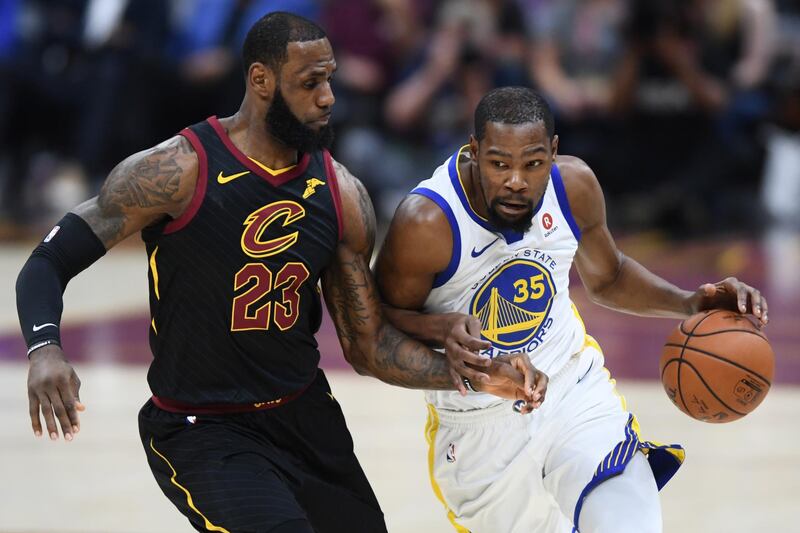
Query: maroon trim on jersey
point(174, 406)
point(199, 188)
point(276, 181)
point(334, 186)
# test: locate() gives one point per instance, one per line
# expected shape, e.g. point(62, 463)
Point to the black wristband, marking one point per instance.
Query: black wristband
point(468, 384)
point(70, 247)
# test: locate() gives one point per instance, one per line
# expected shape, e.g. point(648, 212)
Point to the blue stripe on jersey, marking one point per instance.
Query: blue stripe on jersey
point(563, 201)
point(442, 277)
point(509, 235)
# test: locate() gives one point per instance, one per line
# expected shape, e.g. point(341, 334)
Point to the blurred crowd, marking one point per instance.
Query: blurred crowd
point(688, 110)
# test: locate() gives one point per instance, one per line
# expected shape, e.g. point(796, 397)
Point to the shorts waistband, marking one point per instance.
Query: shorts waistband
point(174, 406)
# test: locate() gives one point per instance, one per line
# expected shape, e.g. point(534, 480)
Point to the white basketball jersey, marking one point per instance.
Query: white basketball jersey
point(516, 284)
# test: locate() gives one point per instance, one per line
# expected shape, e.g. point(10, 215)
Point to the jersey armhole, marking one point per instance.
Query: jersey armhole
point(334, 187)
point(455, 258)
point(563, 202)
point(199, 189)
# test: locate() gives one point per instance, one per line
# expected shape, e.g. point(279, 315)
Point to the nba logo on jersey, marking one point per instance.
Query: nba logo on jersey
point(514, 303)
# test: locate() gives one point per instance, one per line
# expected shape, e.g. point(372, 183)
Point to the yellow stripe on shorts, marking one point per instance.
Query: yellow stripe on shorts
point(208, 524)
point(431, 427)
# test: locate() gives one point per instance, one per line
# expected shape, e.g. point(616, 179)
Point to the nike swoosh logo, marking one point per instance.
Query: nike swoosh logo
point(226, 179)
point(476, 253)
point(37, 328)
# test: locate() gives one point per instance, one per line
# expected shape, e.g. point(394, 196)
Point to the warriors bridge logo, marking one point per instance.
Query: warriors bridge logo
point(513, 304)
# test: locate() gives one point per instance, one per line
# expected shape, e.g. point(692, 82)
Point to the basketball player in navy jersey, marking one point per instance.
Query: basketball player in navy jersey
point(502, 222)
point(241, 217)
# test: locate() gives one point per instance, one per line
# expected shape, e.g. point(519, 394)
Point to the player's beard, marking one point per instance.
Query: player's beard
point(519, 225)
point(288, 129)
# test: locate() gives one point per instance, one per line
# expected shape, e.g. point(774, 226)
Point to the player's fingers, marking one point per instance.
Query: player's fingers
point(63, 401)
point(764, 311)
point(474, 341)
point(456, 352)
point(754, 295)
point(33, 411)
point(458, 382)
point(47, 413)
point(540, 386)
point(76, 402)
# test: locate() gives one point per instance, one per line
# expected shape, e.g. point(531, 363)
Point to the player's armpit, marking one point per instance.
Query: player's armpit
point(141, 190)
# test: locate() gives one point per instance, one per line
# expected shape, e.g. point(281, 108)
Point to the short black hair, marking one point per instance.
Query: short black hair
point(267, 40)
point(512, 105)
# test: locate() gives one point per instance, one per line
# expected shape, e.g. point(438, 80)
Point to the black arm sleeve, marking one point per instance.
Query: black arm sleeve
point(70, 247)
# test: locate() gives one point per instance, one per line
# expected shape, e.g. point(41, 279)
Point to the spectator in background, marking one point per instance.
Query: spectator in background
point(39, 95)
point(472, 46)
point(781, 188)
point(205, 74)
point(577, 48)
point(692, 83)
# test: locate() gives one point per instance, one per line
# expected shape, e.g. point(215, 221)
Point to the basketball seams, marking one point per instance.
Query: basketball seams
point(710, 313)
point(715, 356)
point(751, 332)
point(705, 384)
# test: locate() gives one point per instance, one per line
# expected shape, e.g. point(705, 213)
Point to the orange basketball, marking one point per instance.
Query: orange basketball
point(717, 366)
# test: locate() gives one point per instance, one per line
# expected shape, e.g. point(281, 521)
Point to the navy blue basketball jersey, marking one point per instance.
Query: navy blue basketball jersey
point(234, 293)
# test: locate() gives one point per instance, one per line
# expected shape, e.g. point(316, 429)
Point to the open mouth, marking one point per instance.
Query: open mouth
point(514, 208)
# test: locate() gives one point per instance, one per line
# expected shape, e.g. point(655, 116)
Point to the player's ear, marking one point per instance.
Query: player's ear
point(261, 80)
point(554, 145)
point(473, 147)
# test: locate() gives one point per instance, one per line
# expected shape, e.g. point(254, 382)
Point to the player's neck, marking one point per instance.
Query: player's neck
point(248, 132)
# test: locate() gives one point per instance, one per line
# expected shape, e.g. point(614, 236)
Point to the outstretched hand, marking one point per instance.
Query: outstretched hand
point(733, 295)
point(53, 389)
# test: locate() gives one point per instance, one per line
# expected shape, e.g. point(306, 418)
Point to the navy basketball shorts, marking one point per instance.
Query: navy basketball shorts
point(287, 469)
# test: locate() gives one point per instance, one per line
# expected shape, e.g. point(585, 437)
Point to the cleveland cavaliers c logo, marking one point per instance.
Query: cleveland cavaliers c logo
point(258, 221)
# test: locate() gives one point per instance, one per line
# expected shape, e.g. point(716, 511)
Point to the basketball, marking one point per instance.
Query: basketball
point(717, 366)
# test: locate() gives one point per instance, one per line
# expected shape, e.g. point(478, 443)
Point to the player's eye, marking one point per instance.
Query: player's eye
point(534, 163)
point(310, 84)
point(499, 164)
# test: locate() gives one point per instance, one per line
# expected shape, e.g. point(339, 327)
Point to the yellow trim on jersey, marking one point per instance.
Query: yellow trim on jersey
point(431, 427)
point(154, 270)
point(267, 169)
point(208, 524)
point(461, 182)
point(153, 324)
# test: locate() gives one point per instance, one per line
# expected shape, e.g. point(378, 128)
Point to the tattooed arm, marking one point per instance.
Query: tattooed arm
point(141, 190)
point(370, 344)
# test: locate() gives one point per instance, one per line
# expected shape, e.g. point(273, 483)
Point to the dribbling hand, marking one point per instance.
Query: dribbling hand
point(733, 295)
point(53, 389)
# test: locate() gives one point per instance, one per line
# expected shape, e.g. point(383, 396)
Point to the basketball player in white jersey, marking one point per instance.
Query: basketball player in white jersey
point(478, 258)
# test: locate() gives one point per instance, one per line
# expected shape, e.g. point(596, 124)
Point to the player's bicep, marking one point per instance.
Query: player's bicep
point(417, 247)
point(597, 259)
point(348, 286)
point(141, 190)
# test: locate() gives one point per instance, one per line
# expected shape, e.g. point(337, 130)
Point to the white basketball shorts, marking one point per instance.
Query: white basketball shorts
point(497, 471)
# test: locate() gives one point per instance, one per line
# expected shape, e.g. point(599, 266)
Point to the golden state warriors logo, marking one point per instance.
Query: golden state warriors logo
point(512, 305)
point(258, 221)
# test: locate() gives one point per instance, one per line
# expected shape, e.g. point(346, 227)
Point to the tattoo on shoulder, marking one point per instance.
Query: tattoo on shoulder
point(148, 180)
